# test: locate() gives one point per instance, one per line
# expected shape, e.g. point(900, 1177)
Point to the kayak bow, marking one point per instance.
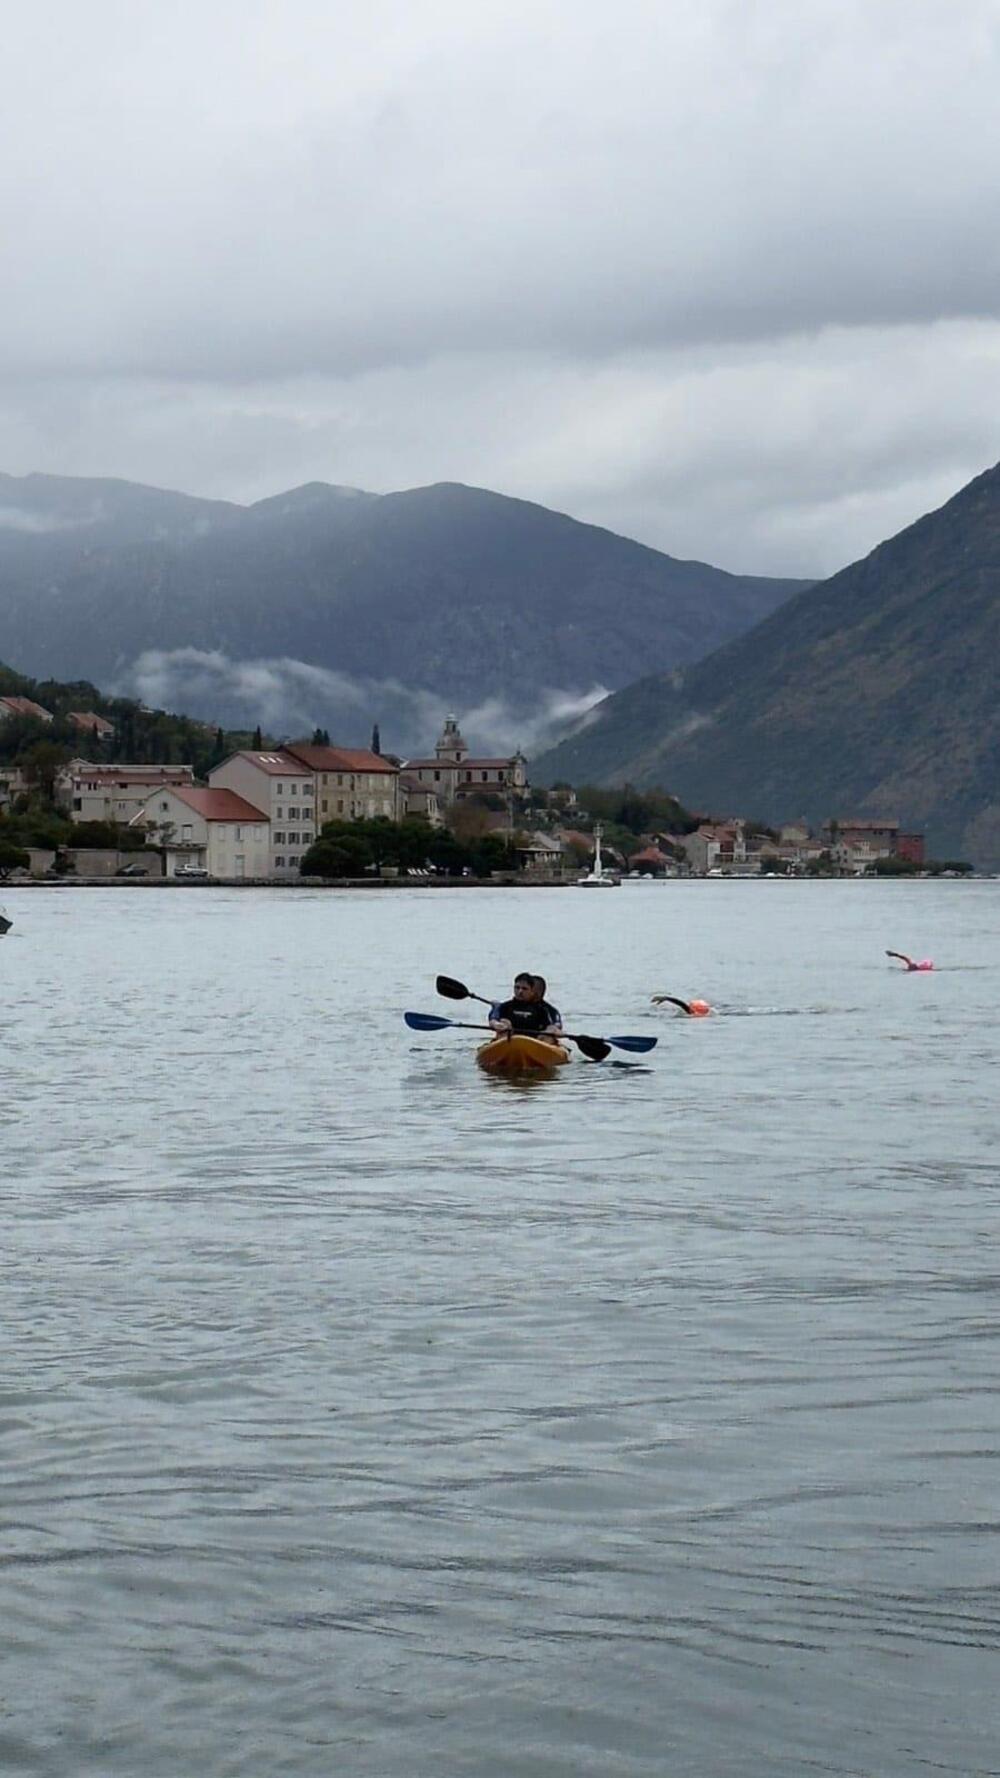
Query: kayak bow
point(521, 1055)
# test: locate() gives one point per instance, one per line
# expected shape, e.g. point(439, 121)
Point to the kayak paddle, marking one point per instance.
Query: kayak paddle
point(594, 1048)
point(449, 989)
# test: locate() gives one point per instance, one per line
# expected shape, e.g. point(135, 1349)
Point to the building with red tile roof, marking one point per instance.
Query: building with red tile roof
point(211, 829)
point(113, 792)
point(284, 789)
point(218, 805)
point(13, 706)
point(351, 783)
point(650, 858)
point(90, 723)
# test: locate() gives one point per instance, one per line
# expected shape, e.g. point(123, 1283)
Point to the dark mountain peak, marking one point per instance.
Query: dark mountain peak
point(465, 597)
point(309, 498)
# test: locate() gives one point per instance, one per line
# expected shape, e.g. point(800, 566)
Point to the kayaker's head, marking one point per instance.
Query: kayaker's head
point(524, 987)
point(540, 984)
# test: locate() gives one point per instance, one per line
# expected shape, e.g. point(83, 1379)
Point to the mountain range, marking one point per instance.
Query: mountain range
point(331, 606)
point(872, 693)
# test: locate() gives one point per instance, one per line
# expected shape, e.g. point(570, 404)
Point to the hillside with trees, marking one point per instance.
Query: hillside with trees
point(873, 694)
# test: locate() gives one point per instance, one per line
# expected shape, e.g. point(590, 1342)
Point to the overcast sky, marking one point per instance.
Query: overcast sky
point(723, 276)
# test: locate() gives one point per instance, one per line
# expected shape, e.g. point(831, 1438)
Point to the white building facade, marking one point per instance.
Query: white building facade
point(285, 792)
point(214, 830)
point(113, 793)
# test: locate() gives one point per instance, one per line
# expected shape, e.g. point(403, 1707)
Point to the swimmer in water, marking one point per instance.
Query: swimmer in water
point(695, 1009)
point(924, 964)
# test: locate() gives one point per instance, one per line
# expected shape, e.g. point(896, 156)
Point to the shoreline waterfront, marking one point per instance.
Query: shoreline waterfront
point(512, 882)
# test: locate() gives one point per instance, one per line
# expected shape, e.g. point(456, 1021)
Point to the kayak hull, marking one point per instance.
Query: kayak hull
point(521, 1055)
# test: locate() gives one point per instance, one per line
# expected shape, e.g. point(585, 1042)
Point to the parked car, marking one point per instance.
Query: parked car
point(191, 870)
point(132, 870)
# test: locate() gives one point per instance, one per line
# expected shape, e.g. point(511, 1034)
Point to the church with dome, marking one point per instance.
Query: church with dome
point(454, 774)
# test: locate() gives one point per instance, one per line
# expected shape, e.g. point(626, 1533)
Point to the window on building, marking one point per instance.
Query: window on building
point(324, 805)
point(307, 790)
point(279, 839)
point(279, 814)
point(485, 776)
point(237, 833)
point(340, 807)
point(280, 788)
point(437, 777)
point(293, 790)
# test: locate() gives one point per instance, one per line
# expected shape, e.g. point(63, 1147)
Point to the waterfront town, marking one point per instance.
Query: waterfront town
point(258, 812)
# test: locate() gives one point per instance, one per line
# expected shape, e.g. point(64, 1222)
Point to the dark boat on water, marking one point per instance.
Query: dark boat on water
point(5, 923)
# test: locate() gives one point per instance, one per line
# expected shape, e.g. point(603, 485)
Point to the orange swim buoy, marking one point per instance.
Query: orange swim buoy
point(698, 1008)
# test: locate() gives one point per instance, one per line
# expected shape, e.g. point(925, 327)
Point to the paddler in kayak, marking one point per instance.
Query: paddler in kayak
point(527, 1013)
point(925, 962)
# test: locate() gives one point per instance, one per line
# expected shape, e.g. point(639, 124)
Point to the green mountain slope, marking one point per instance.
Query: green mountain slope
point(873, 693)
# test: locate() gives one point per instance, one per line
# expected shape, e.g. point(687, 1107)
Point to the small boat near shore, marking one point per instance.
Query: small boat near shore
point(598, 878)
point(5, 922)
point(518, 1054)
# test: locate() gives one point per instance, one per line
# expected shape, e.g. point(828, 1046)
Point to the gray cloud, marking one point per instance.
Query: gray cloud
point(36, 524)
point(725, 277)
point(291, 697)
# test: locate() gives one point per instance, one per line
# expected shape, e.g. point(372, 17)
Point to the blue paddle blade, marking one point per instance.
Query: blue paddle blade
point(639, 1045)
point(425, 1021)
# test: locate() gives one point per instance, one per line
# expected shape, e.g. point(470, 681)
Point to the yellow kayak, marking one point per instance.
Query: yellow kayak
point(521, 1055)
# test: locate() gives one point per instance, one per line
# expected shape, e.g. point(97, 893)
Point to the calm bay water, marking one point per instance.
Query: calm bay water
point(362, 1415)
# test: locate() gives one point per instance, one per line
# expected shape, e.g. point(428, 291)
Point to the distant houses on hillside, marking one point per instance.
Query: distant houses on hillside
point(735, 848)
point(261, 809)
point(12, 706)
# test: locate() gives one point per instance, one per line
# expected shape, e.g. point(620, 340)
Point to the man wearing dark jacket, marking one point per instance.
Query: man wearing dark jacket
point(528, 1013)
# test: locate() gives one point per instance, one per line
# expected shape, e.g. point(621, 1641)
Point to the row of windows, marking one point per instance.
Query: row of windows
point(293, 789)
point(485, 777)
point(293, 858)
point(292, 839)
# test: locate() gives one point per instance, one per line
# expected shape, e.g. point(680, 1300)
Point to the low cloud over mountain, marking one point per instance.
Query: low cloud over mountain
point(289, 697)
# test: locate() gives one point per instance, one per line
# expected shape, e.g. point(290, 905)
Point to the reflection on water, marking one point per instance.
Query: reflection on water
point(364, 1413)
